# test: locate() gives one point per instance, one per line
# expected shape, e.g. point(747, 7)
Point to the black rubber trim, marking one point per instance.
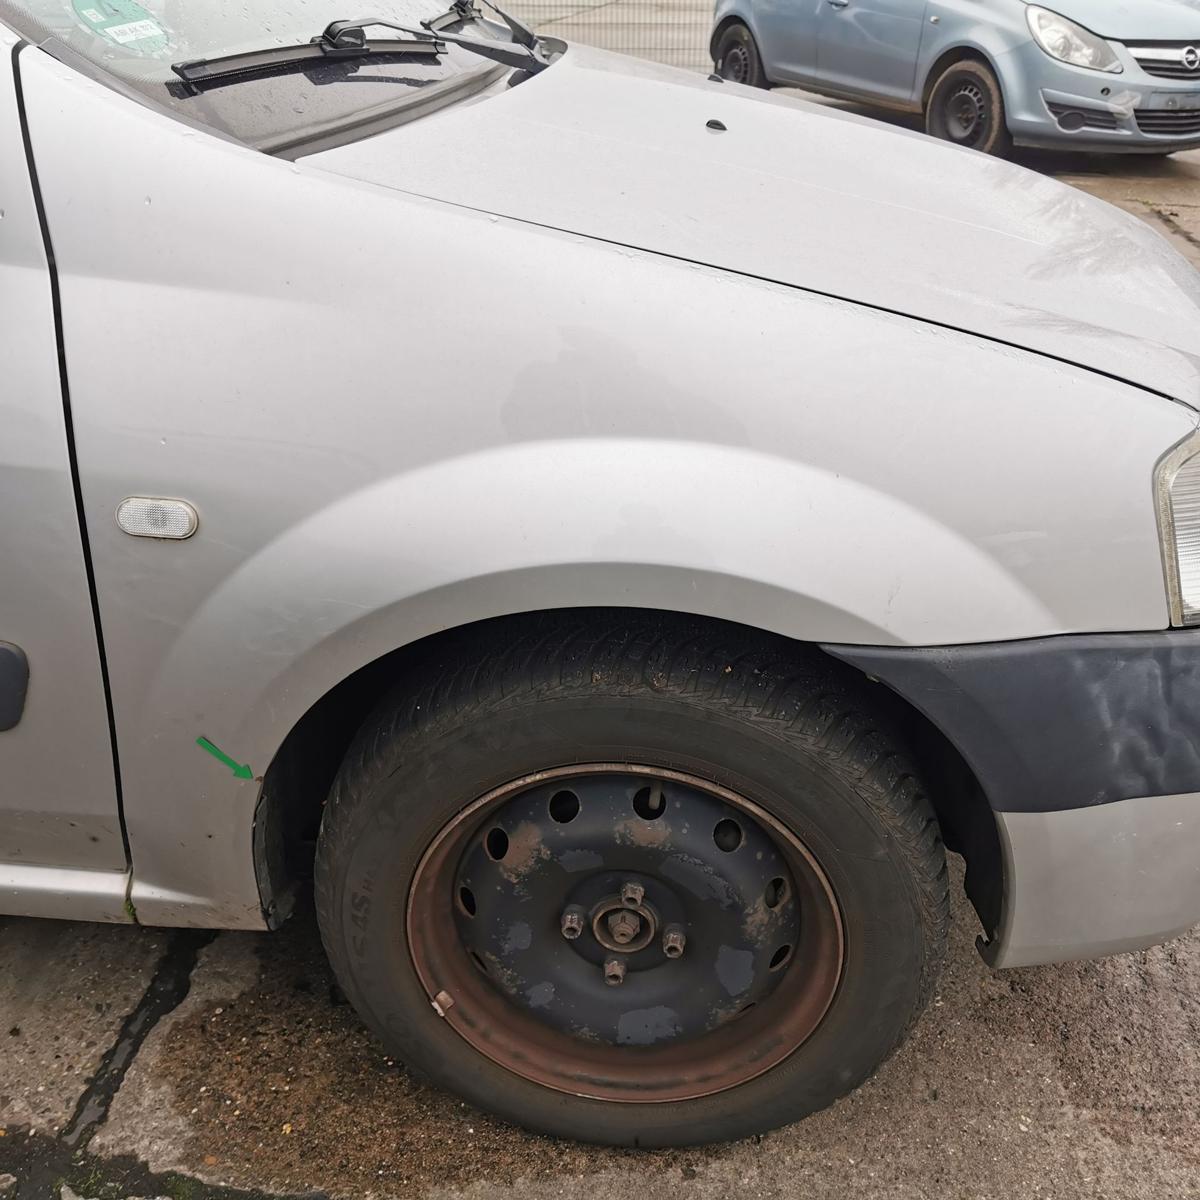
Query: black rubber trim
point(1059, 723)
point(14, 682)
point(69, 425)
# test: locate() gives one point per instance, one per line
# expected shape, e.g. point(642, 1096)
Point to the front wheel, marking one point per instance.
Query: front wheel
point(643, 884)
point(966, 107)
point(736, 57)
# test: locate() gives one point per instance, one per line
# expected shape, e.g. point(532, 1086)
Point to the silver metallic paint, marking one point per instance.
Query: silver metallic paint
point(808, 196)
point(395, 414)
point(65, 893)
point(1087, 882)
point(58, 805)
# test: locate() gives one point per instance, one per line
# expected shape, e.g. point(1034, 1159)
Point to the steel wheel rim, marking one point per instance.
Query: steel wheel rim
point(965, 113)
point(735, 65)
point(495, 1012)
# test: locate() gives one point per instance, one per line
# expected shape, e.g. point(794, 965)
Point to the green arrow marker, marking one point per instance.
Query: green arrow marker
point(241, 770)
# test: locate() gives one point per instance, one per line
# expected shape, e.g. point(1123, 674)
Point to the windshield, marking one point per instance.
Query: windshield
point(138, 41)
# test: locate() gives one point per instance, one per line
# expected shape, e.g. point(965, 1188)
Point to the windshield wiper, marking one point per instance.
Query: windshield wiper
point(348, 39)
point(465, 10)
point(201, 71)
point(526, 55)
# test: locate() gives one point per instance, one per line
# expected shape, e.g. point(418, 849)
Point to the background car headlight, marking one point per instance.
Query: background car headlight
point(1070, 43)
point(1177, 487)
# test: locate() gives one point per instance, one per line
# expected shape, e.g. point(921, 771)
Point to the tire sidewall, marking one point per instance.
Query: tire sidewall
point(407, 796)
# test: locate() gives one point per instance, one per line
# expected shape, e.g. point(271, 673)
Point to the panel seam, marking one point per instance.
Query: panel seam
point(1191, 408)
point(72, 457)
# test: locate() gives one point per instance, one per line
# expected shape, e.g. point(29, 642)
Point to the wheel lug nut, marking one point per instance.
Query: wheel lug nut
point(572, 922)
point(632, 893)
point(614, 972)
point(674, 940)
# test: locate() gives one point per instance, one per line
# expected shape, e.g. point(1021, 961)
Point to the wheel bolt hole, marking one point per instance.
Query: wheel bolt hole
point(564, 807)
point(650, 802)
point(496, 843)
point(727, 835)
point(776, 892)
point(780, 957)
point(466, 898)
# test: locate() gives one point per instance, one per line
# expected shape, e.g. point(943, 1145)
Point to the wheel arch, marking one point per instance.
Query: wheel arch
point(963, 52)
point(715, 532)
point(733, 17)
point(297, 782)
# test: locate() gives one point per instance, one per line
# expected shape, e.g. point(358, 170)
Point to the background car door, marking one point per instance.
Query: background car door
point(786, 31)
point(61, 849)
point(870, 46)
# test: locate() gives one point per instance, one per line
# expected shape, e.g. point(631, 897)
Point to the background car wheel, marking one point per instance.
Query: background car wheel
point(966, 107)
point(634, 881)
point(737, 58)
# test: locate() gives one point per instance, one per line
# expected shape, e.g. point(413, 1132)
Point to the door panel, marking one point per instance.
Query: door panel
point(787, 37)
point(58, 801)
point(871, 46)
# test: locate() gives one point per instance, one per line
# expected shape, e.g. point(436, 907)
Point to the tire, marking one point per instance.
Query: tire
point(966, 107)
point(789, 735)
point(737, 58)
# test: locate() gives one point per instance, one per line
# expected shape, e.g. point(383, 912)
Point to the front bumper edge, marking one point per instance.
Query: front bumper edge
point(1088, 882)
point(1087, 748)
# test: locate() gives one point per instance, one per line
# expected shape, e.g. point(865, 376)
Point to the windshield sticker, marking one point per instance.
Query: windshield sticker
point(122, 22)
point(135, 31)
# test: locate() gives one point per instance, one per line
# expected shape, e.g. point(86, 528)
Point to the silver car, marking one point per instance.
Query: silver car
point(1096, 75)
point(605, 532)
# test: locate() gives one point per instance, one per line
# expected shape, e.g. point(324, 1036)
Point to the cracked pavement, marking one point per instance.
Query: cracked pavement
point(1076, 1080)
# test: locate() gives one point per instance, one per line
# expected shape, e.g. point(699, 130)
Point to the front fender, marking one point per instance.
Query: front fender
point(984, 29)
point(688, 527)
point(395, 415)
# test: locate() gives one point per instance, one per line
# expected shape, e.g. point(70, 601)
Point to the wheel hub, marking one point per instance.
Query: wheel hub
point(625, 923)
point(966, 113)
point(735, 66)
point(630, 911)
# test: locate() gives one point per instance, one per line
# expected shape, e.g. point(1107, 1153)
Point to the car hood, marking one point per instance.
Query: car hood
point(810, 197)
point(1134, 20)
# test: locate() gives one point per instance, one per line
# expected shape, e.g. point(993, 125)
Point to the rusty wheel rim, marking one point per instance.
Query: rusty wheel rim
point(625, 933)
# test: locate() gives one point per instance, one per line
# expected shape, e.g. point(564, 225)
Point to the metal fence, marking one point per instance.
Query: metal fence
point(674, 32)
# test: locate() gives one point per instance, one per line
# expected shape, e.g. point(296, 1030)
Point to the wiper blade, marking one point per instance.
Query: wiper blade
point(529, 58)
point(201, 71)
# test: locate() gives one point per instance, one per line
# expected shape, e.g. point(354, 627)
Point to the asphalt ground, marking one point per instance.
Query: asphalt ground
point(151, 1063)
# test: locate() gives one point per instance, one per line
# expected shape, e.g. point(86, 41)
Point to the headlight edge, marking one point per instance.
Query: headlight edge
point(1165, 472)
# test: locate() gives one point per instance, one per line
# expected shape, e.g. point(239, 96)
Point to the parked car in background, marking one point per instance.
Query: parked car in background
point(1102, 75)
point(603, 530)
